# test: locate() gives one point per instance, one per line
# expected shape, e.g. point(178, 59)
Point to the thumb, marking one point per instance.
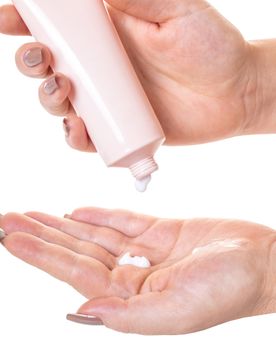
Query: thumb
point(156, 10)
point(148, 314)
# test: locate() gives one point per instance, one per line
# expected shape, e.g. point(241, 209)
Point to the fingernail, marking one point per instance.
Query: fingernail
point(2, 235)
point(33, 57)
point(85, 319)
point(51, 86)
point(66, 128)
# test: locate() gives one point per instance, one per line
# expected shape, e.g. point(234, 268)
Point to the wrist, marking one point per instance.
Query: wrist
point(260, 95)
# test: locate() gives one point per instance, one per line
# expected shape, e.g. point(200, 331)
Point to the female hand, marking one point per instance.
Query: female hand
point(196, 68)
point(203, 272)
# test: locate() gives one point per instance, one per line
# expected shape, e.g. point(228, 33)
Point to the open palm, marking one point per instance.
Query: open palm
point(203, 272)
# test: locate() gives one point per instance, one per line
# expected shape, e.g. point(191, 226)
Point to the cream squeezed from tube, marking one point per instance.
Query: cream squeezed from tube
point(106, 92)
point(138, 261)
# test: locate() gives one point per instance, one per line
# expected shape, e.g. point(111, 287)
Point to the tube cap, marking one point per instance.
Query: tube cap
point(144, 168)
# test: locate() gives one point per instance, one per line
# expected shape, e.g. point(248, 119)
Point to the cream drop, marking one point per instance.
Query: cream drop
point(142, 185)
point(138, 261)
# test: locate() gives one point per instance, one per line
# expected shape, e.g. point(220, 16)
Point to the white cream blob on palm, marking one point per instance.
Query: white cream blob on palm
point(219, 246)
point(138, 261)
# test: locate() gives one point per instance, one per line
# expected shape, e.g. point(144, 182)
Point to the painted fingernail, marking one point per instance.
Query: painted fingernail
point(66, 127)
point(2, 235)
point(85, 319)
point(33, 57)
point(50, 86)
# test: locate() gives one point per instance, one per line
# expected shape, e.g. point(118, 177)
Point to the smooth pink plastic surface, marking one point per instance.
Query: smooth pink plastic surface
point(106, 91)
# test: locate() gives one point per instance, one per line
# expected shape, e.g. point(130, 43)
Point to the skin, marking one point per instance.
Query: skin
point(181, 292)
point(173, 46)
point(205, 83)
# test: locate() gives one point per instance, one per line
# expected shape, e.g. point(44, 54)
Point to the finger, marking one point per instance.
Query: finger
point(76, 134)
point(156, 10)
point(87, 275)
point(2, 234)
point(10, 21)
point(84, 319)
point(130, 224)
point(53, 95)
point(111, 240)
point(21, 223)
point(33, 60)
point(151, 313)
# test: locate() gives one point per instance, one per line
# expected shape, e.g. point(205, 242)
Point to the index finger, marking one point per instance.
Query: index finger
point(128, 223)
point(111, 240)
point(10, 21)
point(87, 275)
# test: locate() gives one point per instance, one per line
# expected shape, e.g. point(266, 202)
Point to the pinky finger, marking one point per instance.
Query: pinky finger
point(76, 134)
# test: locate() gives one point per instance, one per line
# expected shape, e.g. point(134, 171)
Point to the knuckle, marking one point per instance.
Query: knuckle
point(59, 108)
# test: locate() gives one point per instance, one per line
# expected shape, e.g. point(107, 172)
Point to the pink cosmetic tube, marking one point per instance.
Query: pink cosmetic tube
point(106, 92)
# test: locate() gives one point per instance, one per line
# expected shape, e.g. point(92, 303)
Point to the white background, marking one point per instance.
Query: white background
point(234, 178)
